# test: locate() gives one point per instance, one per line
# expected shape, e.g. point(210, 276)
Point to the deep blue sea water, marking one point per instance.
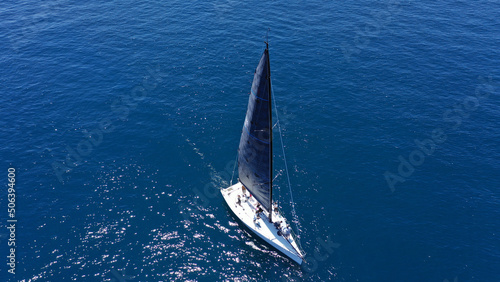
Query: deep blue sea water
point(122, 120)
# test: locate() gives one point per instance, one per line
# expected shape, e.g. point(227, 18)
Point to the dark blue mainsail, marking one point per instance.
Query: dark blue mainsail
point(254, 158)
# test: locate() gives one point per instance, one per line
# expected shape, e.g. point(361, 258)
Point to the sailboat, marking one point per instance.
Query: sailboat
point(251, 199)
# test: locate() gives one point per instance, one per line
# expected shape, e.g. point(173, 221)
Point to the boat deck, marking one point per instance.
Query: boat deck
point(246, 212)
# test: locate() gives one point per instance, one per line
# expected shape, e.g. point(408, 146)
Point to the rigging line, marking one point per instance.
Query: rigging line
point(234, 169)
point(294, 213)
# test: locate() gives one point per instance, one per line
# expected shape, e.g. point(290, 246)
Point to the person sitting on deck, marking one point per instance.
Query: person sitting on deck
point(277, 224)
point(256, 217)
point(238, 201)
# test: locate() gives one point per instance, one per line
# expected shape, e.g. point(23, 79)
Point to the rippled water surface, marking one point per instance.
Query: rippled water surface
point(122, 120)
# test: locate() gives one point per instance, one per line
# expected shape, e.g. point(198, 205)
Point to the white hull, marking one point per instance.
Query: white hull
point(261, 227)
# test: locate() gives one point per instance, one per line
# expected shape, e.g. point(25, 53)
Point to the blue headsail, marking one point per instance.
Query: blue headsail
point(254, 158)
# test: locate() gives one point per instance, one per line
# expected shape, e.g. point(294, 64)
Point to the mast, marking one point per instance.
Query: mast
point(270, 136)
